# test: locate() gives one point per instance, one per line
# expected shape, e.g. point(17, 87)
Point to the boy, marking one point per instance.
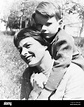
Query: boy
point(47, 19)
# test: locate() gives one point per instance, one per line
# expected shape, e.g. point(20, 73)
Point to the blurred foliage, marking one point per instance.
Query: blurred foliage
point(72, 7)
point(79, 41)
point(21, 11)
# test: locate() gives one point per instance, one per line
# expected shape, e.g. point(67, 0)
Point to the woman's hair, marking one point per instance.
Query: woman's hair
point(26, 32)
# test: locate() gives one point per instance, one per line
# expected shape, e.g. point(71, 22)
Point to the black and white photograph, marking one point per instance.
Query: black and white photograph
point(42, 51)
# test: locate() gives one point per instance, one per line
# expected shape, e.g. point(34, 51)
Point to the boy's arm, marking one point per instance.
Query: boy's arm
point(61, 51)
point(75, 84)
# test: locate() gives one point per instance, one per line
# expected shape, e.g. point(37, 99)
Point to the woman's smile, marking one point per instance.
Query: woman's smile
point(32, 51)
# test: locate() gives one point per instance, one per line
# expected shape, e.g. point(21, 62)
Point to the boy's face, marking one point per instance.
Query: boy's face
point(48, 26)
point(31, 51)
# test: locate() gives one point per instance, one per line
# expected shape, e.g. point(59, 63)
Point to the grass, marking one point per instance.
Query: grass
point(11, 69)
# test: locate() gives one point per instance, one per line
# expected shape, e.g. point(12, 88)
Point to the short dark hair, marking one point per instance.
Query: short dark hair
point(49, 9)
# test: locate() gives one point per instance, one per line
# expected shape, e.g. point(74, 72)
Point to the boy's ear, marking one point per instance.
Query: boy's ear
point(60, 21)
point(62, 24)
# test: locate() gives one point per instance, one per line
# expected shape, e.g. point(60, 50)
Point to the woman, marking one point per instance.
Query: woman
point(33, 50)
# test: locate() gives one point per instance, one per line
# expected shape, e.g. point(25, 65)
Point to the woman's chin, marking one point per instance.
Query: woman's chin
point(33, 64)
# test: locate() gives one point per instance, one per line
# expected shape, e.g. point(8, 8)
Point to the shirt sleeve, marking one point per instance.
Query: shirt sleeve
point(61, 51)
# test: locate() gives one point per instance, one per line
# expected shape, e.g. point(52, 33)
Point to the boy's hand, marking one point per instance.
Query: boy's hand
point(40, 79)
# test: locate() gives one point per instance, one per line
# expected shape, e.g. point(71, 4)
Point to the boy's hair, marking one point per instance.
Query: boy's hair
point(24, 33)
point(48, 9)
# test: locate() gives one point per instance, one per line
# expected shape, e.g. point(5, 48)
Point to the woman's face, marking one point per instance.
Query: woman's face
point(31, 51)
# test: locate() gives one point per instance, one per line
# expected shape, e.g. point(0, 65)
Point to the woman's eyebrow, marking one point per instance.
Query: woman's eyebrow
point(26, 44)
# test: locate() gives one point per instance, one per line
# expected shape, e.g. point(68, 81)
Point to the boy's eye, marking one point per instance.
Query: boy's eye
point(48, 24)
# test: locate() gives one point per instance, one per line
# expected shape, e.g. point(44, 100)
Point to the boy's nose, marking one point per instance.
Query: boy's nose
point(44, 28)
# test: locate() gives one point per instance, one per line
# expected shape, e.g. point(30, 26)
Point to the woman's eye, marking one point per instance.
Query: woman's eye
point(27, 46)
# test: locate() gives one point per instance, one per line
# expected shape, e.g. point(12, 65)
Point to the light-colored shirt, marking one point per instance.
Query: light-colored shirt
point(71, 86)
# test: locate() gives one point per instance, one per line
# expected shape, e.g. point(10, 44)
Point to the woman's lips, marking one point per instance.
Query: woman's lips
point(29, 57)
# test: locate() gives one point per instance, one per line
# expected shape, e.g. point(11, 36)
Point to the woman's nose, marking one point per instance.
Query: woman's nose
point(24, 52)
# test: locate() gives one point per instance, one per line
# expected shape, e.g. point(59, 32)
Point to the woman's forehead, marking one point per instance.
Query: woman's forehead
point(27, 40)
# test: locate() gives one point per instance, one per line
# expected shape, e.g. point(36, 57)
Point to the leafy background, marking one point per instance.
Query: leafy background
point(11, 69)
